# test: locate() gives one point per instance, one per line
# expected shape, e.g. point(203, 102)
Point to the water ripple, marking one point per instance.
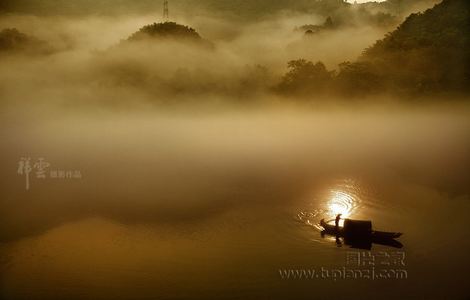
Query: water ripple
point(346, 198)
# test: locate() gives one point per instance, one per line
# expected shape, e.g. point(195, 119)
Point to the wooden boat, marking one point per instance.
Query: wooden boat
point(358, 229)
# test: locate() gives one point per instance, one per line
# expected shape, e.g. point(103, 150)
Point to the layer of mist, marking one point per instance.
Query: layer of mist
point(167, 166)
point(90, 64)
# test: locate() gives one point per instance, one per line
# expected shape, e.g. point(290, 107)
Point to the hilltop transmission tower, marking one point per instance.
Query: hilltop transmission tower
point(166, 12)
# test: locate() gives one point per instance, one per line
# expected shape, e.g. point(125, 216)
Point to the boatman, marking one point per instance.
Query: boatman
point(338, 217)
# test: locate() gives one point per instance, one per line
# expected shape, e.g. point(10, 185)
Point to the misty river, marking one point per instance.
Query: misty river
point(219, 204)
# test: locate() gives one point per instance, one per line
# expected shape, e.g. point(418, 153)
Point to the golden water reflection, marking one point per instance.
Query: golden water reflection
point(343, 202)
point(342, 198)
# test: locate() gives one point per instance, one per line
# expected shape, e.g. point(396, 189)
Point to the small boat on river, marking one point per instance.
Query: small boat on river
point(360, 232)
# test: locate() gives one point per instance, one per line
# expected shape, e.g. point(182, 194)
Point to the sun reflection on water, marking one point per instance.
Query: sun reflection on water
point(343, 198)
point(342, 203)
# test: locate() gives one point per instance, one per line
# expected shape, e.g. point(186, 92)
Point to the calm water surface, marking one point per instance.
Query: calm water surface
point(174, 208)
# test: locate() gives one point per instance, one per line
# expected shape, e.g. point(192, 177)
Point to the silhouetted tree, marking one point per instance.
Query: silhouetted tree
point(328, 23)
point(304, 77)
point(357, 78)
point(14, 41)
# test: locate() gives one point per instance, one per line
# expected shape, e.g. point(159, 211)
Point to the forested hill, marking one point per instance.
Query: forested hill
point(447, 25)
point(166, 30)
point(428, 52)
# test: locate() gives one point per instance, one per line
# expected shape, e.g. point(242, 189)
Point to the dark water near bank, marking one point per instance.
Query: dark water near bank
point(213, 207)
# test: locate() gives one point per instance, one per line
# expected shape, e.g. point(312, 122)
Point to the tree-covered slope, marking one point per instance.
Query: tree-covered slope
point(428, 52)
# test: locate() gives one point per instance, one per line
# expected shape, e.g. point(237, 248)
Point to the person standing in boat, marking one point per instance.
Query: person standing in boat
point(338, 241)
point(338, 217)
